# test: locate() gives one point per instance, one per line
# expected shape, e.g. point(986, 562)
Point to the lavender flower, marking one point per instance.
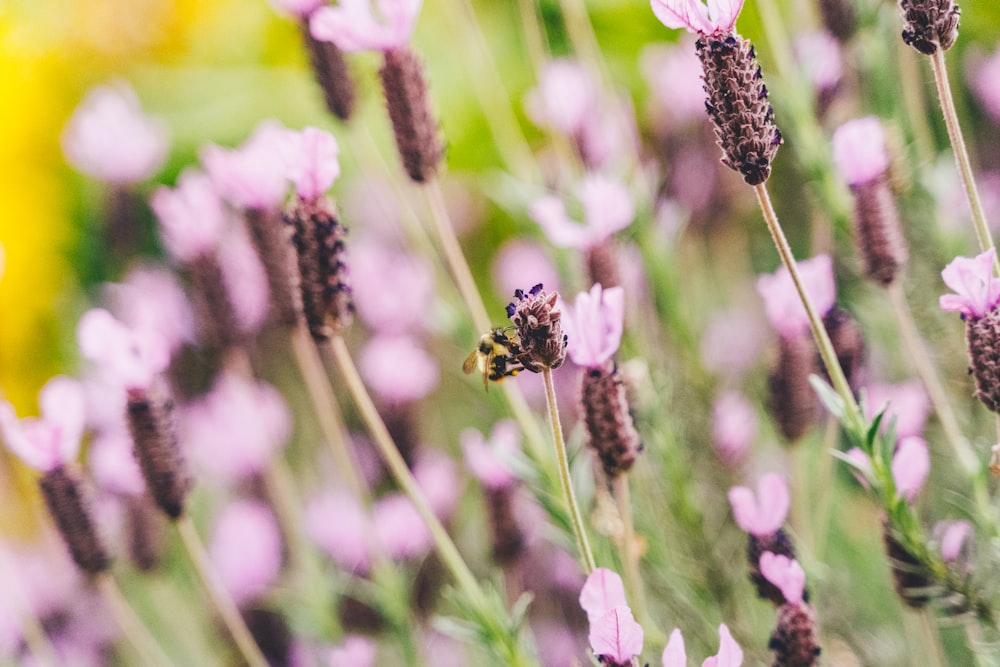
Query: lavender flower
point(538, 321)
point(615, 637)
point(794, 640)
point(246, 550)
point(930, 24)
point(762, 517)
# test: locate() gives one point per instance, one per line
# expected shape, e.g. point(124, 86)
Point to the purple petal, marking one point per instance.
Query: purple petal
point(674, 654)
point(785, 573)
point(602, 591)
point(616, 635)
point(910, 466)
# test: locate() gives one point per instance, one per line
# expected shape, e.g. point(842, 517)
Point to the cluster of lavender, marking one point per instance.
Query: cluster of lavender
point(231, 389)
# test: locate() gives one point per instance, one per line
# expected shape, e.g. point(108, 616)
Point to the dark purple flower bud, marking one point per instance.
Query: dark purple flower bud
point(610, 431)
point(70, 508)
point(930, 24)
point(542, 343)
point(413, 123)
point(150, 421)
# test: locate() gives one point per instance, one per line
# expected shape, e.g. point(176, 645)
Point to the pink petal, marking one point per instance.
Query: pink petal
point(602, 591)
point(594, 325)
point(764, 514)
point(400, 528)
point(352, 25)
point(730, 654)
point(782, 304)
point(859, 150)
point(191, 216)
point(616, 635)
point(724, 13)
point(691, 15)
point(607, 206)
point(674, 654)
point(550, 213)
point(785, 573)
point(312, 162)
point(246, 549)
point(254, 175)
point(910, 466)
point(490, 462)
point(62, 405)
point(977, 291)
point(954, 536)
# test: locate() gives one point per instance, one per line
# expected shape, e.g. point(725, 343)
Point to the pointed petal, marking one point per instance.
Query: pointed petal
point(602, 591)
point(674, 654)
point(616, 635)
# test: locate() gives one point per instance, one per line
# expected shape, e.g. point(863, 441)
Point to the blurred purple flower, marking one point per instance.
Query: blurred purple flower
point(354, 651)
point(730, 654)
point(977, 291)
point(616, 637)
point(785, 573)
point(381, 361)
point(602, 592)
point(234, 430)
point(734, 427)
point(437, 477)
point(151, 301)
point(910, 466)
point(53, 439)
point(253, 176)
point(907, 403)
point(983, 79)
point(859, 150)
point(129, 358)
point(564, 98)
point(719, 16)
point(673, 73)
point(298, 8)
point(353, 26)
point(490, 460)
point(246, 549)
point(392, 290)
point(781, 300)
point(110, 138)
point(192, 216)
point(607, 207)
point(952, 536)
point(112, 464)
point(593, 325)
point(674, 654)
point(338, 525)
point(311, 162)
point(245, 280)
point(399, 528)
point(818, 53)
point(518, 258)
point(764, 514)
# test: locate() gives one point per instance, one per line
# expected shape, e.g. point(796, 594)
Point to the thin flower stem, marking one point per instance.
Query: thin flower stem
point(826, 350)
point(131, 625)
point(961, 153)
point(459, 268)
point(327, 410)
point(935, 654)
point(579, 530)
point(335, 350)
point(534, 33)
point(221, 599)
point(630, 548)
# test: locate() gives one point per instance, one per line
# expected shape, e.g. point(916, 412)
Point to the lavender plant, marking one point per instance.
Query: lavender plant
point(660, 463)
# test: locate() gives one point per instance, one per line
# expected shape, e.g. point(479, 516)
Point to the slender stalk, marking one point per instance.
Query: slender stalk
point(961, 153)
point(826, 350)
point(327, 410)
point(131, 625)
point(534, 33)
point(935, 654)
point(221, 599)
point(459, 268)
point(336, 350)
point(579, 530)
point(629, 548)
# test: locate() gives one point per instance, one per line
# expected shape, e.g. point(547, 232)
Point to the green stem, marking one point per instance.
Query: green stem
point(221, 599)
point(826, 350)
point(961, 153)
point(629, 548)
point(130, 623)
point(576, 519)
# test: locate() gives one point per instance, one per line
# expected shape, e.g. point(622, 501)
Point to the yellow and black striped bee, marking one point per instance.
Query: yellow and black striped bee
point(494, 357)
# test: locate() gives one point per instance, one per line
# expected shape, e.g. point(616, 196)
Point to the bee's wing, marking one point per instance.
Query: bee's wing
point(471, 362)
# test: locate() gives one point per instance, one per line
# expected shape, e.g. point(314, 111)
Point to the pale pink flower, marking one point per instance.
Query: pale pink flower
point(673, 73)
point(983, 81)
point(764, 514)
point(730, 654)
point(490, 461)
point(952, 536)
point(518, 258)
point(859, 150)
point(719, 16)
point(299, 8)
point(113, 465)
point(907, 403)
point(383, 357)
point(910, 466)
point(312, 164)
point(602, 592)
point(353, 26)
point(818, 54)
point(977, 291)
point(437, 477)
point(245, 280)
point(607, 208)
point(192, 216)
point(110, 138)
point(53, 439)
point(341, 528)
point(782, 305)
point(354, 651)
point(255, 175)
point(129, 358)
point(151, 301)
point(674, 654)
point(734, 426)
point(233, 432)
point(246, 549)
point(399, 528)
point(593, 325)
point(785, 573)
point(393, 290)
point(616, 637)
point(564, 98)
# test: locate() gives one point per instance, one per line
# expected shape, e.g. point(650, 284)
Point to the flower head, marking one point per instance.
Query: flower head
point(781, 300)
point(538, 321)
point(718, 16)
point(952, 536)
point(246, 549)
point(906, 403)
point(253, 176)
point(910, 466)
point(110, 138)
point(353, 26)
point(490, 460)
point(593, 325)
point(607, 208)
point(734, 426)
point(730, 654)
point(128, 357)
point(49, 441)
point(381, 360)
point(859, 150)
point(564, 98)
point(977, 291)
point(785, 573)
point(763, 515)
point(602, 592)
point(311, 160)
point(192, 216)
point(616, 637)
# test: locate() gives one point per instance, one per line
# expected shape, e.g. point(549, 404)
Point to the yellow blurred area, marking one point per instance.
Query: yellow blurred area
point(51, 53)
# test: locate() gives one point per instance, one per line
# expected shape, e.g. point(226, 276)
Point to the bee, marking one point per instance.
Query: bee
point(494, 357)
